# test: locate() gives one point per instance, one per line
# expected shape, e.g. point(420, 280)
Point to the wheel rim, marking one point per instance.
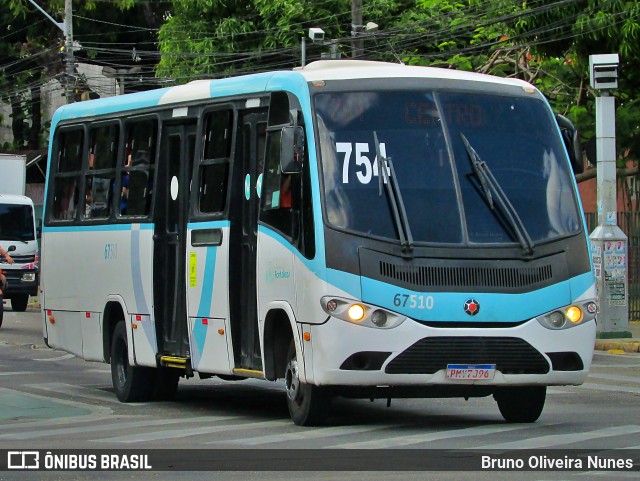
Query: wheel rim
point(122, 363)
point(292, 381)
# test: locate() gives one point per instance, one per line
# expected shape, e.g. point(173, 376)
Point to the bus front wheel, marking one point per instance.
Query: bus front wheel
point(521, 404)
point(308, 404)
point(130, 383)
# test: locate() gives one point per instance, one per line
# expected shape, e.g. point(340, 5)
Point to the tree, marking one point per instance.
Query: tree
point(204, 38)
point(30, 51)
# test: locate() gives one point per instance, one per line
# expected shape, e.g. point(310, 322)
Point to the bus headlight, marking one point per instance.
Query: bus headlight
point(360, 313)
point(569, 316)
point(574, 314)
point(356, 312)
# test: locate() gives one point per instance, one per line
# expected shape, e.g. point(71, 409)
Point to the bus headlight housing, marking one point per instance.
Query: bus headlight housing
point(360, 313)
point(569, 316)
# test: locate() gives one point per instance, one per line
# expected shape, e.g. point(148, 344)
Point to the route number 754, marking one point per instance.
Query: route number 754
point(367, 169)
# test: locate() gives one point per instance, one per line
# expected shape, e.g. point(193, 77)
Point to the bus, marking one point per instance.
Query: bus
point(350, 228)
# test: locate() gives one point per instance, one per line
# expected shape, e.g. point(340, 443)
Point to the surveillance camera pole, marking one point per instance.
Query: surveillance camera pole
point(608, 242)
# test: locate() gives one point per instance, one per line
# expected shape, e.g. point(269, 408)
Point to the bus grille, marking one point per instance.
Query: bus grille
point(476, 277)
point(511, 355)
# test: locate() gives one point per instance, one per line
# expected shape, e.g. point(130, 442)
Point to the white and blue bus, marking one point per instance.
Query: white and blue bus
point(356, 229)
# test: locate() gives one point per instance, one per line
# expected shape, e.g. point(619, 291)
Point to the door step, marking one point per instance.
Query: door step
point(252, 373)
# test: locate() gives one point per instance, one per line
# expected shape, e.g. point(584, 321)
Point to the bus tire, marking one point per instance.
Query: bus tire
point(130, 383)
point(308, 404)
point(521, 404)
point(166, 384)
point(19, 302)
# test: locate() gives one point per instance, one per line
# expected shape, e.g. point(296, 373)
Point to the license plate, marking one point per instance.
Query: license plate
point(472, 372)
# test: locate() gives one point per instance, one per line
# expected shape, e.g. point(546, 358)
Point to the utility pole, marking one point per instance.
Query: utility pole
point(357, 42)
point(609, 246)
point(67, 29)
point(68, 50)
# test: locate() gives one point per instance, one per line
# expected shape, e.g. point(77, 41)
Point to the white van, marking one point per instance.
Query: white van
point(18, 229)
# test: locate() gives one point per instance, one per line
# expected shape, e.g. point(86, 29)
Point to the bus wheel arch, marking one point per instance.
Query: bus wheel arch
point(130, 383)
point(278, 335)
point(308, 404)
point(112, 315)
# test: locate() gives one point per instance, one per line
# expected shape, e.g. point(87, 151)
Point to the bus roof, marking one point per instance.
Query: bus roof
point(261, 82)
point(364, 69)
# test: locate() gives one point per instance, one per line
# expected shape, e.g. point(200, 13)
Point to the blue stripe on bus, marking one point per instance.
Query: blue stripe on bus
point(136, 274)
point(97, 228)
point(206, 296)
point(315, 265)
point(200, 337)
point(494, 307)
point(109, 105)
point(214, 224)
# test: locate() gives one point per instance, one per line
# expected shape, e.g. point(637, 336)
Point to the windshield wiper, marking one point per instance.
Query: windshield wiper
point(492, 190)
point(395, 197)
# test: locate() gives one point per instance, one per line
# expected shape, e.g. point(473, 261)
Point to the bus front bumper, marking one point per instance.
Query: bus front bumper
point(414, 356)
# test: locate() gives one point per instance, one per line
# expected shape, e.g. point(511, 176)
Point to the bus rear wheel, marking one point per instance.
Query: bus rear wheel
point(521, 404)
point(308, 404)
point(19, 302)
point(130, 383)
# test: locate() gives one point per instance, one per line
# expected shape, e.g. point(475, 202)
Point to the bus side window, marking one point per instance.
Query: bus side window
point(276, 200)
point(100, 175)
point(214, 167)
point(138, 168)
point(67, 177)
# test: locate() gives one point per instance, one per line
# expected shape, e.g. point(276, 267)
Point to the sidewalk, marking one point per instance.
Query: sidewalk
point(620, 346)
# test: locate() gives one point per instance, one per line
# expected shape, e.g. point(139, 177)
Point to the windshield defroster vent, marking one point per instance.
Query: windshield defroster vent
point(436, 276)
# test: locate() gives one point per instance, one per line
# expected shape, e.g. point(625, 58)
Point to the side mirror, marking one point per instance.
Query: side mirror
point(11, 248)
point(572, 143)
point(291, 150)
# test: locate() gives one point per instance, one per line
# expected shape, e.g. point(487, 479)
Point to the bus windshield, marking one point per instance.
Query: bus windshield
point(16, 222)
point(427, 134)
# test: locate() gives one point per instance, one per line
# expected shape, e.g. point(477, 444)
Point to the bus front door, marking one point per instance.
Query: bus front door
point(243, 242)
point(170, 218)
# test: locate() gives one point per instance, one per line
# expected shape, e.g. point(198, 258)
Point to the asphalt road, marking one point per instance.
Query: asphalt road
point(52, 400)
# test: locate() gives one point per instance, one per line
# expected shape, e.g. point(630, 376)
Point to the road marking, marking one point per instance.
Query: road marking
point(608, 387)
point(181, 432)
point(405, 440)
point(111, 427)
point(614, 377)
point(317, 433)
point(94, 393)
point(18, 373)
point(564, 439)
point(59, 358)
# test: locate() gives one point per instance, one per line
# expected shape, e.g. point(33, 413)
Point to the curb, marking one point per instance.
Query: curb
point(630, 346)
